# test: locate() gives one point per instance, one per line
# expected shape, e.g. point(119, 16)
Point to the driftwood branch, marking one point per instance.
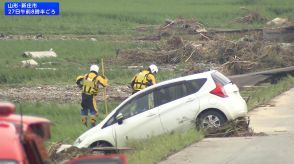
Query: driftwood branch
point(190, 55)
point(171, 23)
point(204, 36)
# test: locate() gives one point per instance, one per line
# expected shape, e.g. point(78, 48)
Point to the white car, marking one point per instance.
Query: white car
point(207, 99)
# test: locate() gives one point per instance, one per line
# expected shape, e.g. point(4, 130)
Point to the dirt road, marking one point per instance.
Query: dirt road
point(276, 120)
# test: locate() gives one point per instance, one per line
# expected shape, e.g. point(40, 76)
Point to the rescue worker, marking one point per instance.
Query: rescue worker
point(144, 78)
point(89, 83)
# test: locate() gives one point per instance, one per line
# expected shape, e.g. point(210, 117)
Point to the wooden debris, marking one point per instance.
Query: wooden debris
point(29, 63)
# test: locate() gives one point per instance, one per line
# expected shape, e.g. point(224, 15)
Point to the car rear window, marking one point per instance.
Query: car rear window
point(220, 78)
point(176, 91)
point(193, 86)
point(169, 93)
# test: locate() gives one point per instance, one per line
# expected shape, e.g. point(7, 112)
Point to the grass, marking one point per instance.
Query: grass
point(65, 118)
point(74, 58)
point(156, 148)
point(264, 94)
point(120, 17)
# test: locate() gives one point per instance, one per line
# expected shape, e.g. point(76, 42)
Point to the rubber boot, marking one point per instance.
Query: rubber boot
point(93, 120)
point(84, 120)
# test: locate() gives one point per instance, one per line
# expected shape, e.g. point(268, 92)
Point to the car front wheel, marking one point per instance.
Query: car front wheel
point(211, 120)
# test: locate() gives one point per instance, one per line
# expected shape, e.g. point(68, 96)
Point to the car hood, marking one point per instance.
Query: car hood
point(82, 139)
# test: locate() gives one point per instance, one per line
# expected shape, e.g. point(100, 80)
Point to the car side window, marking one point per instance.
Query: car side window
point(137, 105)
point(193, 86)
point(176, 91)
point(169, 93)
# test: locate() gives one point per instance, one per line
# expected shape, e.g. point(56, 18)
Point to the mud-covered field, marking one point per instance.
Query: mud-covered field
point(57, 94)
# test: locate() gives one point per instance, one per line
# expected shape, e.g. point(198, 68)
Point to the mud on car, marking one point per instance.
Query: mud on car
point(207, 99)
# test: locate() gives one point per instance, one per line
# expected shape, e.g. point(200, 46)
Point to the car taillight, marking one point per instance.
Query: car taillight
point(219, 90)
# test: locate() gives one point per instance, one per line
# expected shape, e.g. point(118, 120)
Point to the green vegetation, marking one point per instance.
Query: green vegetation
point(74, 58)
point(65, 118)
point(156, 148)
point(262, 95)
point(112, 23)
point(122, 16)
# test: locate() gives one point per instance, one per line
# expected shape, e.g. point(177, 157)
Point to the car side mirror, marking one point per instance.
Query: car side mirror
point(119, 118)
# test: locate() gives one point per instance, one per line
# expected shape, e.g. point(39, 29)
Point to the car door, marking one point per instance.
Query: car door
point(141, 120)
point(180, 110)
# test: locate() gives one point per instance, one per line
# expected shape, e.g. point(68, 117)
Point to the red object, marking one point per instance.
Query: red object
point(22, 139)
point(37, 125)
point(10, 144)
point(219, 90)
point(6, 109)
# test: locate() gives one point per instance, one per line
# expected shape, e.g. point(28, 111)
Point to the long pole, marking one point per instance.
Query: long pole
point(104, 91)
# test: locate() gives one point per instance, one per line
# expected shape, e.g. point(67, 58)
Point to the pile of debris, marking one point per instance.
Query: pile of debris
point(235, 128)
point(230, 56)
point(278, 22)
point(69, 153)
point(189, 26)
point(171, 27)
point(250, 17)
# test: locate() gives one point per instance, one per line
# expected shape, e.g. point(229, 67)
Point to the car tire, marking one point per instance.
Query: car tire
point(104, 144)
point(211, 119)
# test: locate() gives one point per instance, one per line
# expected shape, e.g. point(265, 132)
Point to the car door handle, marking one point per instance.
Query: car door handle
point(151, 114)
point(190, 100)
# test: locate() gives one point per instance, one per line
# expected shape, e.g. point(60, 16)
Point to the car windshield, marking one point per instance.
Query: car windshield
point(137, 105)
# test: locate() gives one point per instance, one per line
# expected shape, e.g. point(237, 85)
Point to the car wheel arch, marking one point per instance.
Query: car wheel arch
point(100, 143)
point(210, 110)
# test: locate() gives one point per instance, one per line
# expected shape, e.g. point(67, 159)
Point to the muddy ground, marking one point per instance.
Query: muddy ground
point(55, 93)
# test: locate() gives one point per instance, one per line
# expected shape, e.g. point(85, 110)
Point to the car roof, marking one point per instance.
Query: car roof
point(26, 120)
point(188, 77)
